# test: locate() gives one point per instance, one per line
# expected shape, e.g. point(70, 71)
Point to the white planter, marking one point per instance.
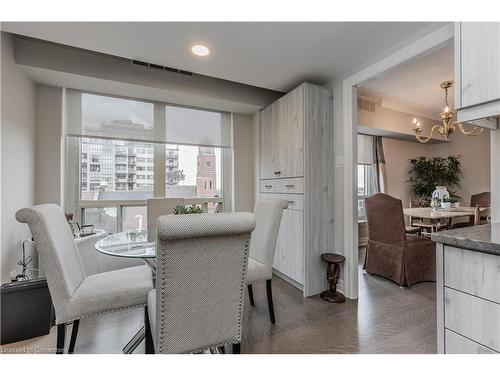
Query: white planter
point(446, 205)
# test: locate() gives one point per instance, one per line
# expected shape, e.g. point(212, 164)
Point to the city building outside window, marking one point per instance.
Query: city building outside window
point(122, 170)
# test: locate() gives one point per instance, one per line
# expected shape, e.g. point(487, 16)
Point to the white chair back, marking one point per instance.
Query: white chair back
point(268, 213)
point(201, 269)
point(57, 250)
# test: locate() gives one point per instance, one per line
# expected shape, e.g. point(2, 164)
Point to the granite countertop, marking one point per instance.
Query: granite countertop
point(483, 238)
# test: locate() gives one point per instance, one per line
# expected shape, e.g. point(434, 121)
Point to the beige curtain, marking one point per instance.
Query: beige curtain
point(379, 175)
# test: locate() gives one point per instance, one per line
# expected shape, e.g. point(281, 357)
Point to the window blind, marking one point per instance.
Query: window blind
point(110, 117)
point(365, 149)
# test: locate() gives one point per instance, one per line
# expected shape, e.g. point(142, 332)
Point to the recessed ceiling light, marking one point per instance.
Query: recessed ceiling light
point(200, 50)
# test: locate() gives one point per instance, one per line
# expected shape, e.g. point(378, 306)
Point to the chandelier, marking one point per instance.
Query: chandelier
point(448, 125)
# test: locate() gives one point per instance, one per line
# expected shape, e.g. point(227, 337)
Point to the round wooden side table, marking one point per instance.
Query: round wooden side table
point(332, 275)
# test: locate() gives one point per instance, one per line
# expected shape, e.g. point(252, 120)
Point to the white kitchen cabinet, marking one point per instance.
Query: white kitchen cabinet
point(468, 304)
point(477, 71)
point(297, 165)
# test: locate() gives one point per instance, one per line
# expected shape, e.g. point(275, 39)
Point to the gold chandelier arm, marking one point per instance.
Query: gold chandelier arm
point(476, 131)
point(425, 140)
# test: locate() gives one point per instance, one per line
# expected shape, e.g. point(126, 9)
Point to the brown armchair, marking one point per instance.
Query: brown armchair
point(481, 200)
point(391, 253)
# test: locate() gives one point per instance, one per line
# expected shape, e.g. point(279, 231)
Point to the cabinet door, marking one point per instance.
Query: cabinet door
point(290, 159)
point(480, 63)
point(268, 134)
point(291, 245)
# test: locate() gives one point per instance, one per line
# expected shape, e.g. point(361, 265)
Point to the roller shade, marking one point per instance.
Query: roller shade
point(365, 149)
point(110, 117)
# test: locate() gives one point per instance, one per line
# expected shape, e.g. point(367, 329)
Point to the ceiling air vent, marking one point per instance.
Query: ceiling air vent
point(366, 104)
point(161, 67)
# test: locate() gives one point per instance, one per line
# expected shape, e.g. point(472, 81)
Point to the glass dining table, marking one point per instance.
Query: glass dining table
point(130, 244)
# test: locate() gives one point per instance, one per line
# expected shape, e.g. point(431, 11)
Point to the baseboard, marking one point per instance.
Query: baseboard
point(288, 280)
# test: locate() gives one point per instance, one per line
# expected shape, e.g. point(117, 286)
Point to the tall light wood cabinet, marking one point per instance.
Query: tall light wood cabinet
point(296, 164)
point(477, 71)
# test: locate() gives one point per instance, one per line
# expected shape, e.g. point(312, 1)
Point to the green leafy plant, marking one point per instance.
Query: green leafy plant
point(188, 209)
point(451, 199)
point(427, 173)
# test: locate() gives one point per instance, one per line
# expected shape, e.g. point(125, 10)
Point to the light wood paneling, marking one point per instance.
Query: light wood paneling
point(282, 185)
point(291, 134)
point(295, 201)
point(318, 179)
point(473, 317)
point(457, 344)
point(480, 62)
point(291, 240)
point(269, 141)
point(304, 160)
point(472, 272)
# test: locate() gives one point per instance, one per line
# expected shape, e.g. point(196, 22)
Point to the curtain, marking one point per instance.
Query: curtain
point(379, 175)
point(111, 117)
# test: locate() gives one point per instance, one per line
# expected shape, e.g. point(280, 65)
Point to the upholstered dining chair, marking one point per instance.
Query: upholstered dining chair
point(481, 201)
point(157, 207)
point(391, 253)
point(201, 268)
point(74, 295)
point(268, 213)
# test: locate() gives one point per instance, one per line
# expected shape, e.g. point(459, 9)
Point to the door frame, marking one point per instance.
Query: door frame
point(432, 41)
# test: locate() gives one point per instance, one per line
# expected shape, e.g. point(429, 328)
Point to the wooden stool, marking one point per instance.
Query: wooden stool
point(332, 275)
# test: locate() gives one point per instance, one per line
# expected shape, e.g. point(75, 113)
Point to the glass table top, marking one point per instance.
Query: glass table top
point(128, 244)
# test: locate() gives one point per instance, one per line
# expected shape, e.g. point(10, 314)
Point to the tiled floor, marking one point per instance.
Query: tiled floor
point(385, 319)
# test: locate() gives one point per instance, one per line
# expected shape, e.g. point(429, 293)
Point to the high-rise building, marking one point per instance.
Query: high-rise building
point(110, 165)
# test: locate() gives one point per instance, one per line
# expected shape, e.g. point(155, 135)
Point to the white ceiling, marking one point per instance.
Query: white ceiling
point(273, 55)
point(414, 86)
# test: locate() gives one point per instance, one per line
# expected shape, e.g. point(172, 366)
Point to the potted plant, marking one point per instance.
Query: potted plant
point(427, 173)
point(188, 209)
point(446, 204)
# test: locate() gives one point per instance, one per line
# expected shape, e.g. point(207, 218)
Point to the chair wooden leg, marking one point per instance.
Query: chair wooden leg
point(269, 291)
point(74, 333)
point(250, 294)
point(237, 348)
point(149, 336)
point(61, 335)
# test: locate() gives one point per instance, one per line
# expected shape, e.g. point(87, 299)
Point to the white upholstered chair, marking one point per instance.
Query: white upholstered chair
point(157, 207)
point(268, 213)
point(75, 295)
point(200, 281)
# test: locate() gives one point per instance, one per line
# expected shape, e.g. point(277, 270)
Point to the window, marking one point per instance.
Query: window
point(119, 142)
point(365, 187)
point(114, 178)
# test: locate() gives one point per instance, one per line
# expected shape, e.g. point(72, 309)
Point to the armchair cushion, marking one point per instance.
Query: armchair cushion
point(109, 291)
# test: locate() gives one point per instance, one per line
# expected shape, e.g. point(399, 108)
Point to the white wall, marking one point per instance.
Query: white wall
point(48, 152)
point(243, 162)
point(17, 155)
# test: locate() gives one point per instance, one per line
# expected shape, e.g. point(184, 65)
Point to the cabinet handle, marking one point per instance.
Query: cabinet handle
point(290, 185)
point(277, 172)
point(268, 186)
point(291, 202)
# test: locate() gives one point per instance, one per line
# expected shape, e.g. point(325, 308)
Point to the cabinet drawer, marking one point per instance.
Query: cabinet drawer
point(295, 201)
point(457, 344)
point(282, 185)
point(472, 272)
point(472, 317)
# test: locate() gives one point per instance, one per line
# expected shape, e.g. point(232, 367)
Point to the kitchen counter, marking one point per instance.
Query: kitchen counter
point(482, 238)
